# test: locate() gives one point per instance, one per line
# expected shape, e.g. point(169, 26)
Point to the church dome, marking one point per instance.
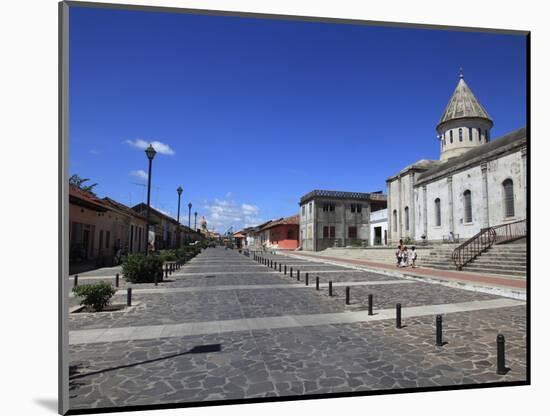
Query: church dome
point(463, 104)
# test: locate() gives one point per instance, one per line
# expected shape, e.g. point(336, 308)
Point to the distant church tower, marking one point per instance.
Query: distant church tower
point(464, 124)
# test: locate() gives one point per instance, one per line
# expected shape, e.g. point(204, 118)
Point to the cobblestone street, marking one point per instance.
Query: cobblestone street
point(227, 327)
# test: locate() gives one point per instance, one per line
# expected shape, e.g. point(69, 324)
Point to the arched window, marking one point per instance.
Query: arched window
point(486, 135)
point(460, 134)
point(437, 209)
point(467, 206)
point(479, 134)
point(451, 137)
point(508, 191)
point(394, 220)
point(470, 133)
point(407, 218)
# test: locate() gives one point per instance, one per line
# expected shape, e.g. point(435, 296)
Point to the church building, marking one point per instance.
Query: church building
point(478, 181)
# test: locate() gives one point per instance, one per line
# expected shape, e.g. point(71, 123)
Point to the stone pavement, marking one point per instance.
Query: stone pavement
point(226, 327)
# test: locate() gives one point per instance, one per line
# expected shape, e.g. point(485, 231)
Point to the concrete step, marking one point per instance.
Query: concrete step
point(493, 271)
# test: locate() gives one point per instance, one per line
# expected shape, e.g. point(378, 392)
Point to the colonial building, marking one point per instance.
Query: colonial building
point(169, 234)
point(99, 228)
point(477, 182)
point(281, 234)
point(337, 219)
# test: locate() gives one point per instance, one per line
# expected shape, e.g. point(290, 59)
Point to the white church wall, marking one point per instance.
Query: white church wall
point(393, 197)
point(470, 179)
point(406, 201)
point(507, 167)
point(434, 190)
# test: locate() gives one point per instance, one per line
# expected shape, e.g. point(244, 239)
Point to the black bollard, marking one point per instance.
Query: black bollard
point(279, 267)
point(157, 277)
point(298, 275)
point(116, 280)
point(166, 271)
point(307, 279)
point(275, 268)
point(398, 316)
point(291, 272)
point(285, 268)
point(129, 297)
point(501, 360)
point(75, 280)
point(370, 304)
point(347, 295)
point(330, 287)
point(439, 330)
point(317, 282)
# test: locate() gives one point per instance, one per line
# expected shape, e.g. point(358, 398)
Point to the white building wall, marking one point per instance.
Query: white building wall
point(469, 179)
point(378, 219)
point(509, 166)
point(434, 190)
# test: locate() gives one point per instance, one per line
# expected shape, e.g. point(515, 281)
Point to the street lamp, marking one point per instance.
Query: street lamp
point(179, 190)
point(178, 231)
point(189, 205)
point(150, 152)
point(196, 220)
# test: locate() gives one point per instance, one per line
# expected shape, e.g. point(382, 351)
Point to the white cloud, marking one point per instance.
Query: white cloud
point(94, 151)
point(160, 147)
point(224, 213)
point(139, 174)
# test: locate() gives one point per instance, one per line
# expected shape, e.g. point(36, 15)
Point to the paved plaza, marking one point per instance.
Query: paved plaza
point(227, 327)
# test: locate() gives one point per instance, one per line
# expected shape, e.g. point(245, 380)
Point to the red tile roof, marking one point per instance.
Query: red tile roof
point(88, 200)
point(293, 220)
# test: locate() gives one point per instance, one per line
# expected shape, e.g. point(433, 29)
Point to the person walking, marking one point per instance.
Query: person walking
point(412, 257)
point(398, 254)
point(404, 256)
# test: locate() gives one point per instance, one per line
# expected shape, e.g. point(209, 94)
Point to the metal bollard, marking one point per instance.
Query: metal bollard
point(398, 316)
point(347, 295)
point(307, 279)
point(75, 280)
point(275, 266)
point(129, 297)
point(370, 304)
point(279, 267)
point(317, 282)
point(439, 330)
point(291, 272)
point(298, 275)
point(330, 287)
point(501, 360)
point(285, 268)
point(166, 272)
point(116, 280)
point(157, 277)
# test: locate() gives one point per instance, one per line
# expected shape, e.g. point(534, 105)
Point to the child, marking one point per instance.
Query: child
point(404, 257)
point(412, 257)
point(398, 255)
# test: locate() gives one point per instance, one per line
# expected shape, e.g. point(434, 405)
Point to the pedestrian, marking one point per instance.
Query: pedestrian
point(412, 257)
point(398, 254)
point(404, 256)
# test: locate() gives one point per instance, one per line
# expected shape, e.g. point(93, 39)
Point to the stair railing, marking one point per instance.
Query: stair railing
point(484, 240)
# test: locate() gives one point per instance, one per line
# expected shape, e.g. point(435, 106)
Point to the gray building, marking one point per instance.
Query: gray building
point(337, 219)
point(478, 182)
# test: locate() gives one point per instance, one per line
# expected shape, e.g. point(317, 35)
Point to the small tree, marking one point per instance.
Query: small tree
point(77, 181)
point(138, 268)
point(97, 295)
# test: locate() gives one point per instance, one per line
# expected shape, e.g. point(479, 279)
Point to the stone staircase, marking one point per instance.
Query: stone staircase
point(505, 259)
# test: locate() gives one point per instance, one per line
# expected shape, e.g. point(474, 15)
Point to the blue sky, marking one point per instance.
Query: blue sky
point(250, 114)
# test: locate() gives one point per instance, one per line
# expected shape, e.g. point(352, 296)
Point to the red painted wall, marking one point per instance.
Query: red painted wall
point(285, 236)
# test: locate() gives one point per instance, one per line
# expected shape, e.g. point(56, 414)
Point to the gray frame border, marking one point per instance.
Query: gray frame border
point(63, 189)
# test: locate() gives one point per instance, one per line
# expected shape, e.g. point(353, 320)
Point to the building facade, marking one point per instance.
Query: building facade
point(282, 234)
point(337, 219)
point(476, 183)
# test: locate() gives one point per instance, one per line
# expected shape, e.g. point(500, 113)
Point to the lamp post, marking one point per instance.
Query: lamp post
point(178, 238)
point(189, 205)
point(150, 152)
point(196, 213)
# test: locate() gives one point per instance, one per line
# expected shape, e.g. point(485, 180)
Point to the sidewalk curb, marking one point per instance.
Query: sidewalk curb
point(492, 290)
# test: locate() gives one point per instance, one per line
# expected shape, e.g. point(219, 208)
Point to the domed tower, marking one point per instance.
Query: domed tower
point(464, 124)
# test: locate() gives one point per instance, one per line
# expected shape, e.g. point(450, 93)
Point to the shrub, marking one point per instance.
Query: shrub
point(168, 255)
point(96, 295)
point(139, 268)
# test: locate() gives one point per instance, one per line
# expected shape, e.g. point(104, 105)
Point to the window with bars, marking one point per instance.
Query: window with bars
point(508, 190)
point(467, 206)
point(329, 231)
point(407, 218)
point(356, 208)
point(328, 207)
point(437, 206)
